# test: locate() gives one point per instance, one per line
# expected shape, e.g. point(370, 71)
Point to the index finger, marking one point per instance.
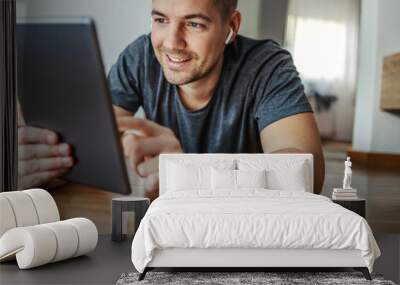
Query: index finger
point(29, 134)
point(148, 127)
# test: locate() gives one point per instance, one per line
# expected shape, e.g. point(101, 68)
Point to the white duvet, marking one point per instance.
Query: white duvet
point(253, 218)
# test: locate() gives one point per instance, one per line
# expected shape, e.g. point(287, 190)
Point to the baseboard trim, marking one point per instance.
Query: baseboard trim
point(384, 161)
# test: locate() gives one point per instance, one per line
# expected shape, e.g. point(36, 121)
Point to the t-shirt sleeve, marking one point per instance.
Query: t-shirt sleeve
point(124, 77)
point(281, 96)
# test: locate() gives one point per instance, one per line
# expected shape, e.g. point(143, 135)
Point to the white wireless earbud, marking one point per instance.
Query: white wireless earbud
point(229, 37)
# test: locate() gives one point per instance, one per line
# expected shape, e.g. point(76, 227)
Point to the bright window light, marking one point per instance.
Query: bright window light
point(319, 49)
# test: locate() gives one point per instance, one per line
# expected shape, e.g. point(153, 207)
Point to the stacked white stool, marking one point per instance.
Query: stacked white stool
point(31, 230)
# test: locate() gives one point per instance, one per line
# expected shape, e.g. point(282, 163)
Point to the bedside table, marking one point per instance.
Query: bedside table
point(138, 205)
point(357, 206)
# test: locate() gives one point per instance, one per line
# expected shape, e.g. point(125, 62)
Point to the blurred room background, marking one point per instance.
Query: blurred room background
point(348, 55)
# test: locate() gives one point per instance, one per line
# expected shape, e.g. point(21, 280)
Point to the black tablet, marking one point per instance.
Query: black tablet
point(62, 86)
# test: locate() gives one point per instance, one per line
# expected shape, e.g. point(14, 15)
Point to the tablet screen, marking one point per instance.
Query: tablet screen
point(62, 87)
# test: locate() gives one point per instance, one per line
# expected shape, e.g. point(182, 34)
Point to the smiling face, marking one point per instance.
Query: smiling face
point(188, 38)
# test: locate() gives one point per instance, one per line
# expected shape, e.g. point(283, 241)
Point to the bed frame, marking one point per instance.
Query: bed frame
point(242, 259)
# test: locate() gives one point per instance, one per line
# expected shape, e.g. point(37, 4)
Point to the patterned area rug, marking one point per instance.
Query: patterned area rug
point(230, 278)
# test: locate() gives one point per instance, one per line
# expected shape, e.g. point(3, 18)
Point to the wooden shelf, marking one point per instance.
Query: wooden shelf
point(390, 92)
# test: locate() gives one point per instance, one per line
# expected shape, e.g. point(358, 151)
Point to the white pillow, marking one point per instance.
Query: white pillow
point(292, 175)
point(293, 179)
point(251, 178)
point(186, 174)
point(181, 178)
point(225, 179)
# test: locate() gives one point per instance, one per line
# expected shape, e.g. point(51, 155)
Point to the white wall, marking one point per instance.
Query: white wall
point(366, 87)
point(374, 129)
point(273, 17)
point(251, 13)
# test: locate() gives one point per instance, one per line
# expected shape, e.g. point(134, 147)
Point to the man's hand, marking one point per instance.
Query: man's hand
point(41, 158)
point(143, 141)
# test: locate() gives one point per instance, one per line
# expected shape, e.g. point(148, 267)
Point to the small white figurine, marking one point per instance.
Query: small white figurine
point(347, 174)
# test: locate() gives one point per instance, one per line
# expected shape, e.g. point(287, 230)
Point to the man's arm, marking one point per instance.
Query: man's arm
point(296, 134)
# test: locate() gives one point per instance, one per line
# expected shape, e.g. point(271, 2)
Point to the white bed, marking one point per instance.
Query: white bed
point(203, 221)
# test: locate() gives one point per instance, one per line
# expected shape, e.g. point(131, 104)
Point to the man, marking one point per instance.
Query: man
point(204, 88)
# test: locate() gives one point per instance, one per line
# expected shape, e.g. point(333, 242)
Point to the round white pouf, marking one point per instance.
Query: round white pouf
point(87, 233)
point(33, 246)
point(40, 244)
point(67, 239)
point(23, 208)
point(45, 205)
point(7, 218)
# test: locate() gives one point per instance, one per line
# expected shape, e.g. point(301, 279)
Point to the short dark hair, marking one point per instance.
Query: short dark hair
point(226, 7)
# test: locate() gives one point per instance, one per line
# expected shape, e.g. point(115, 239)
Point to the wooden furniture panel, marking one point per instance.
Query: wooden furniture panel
point(75, 200)
point(390, 92)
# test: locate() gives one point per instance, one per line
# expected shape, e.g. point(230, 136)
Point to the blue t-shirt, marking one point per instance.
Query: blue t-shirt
point(258, 85)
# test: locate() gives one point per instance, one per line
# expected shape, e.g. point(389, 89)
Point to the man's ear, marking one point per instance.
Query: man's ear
point(234, 24)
